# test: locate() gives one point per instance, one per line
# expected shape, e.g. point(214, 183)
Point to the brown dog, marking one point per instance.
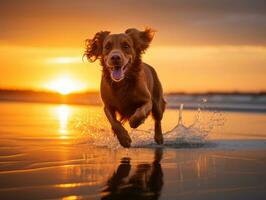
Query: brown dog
point(129, 87)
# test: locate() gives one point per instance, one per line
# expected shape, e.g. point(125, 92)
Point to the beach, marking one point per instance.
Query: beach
point(60, 151)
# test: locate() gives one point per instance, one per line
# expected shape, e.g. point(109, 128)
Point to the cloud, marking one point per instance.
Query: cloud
point(190, 22)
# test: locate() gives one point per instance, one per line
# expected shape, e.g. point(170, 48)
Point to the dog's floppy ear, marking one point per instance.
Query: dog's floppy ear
point(142, 39)
point(94, 46)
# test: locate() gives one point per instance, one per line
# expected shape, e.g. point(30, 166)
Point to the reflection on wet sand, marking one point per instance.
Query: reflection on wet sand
point(41, 158)
point(145, 183)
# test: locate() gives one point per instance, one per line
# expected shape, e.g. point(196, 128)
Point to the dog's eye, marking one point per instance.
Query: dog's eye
point(108, 46)
point(125, 46)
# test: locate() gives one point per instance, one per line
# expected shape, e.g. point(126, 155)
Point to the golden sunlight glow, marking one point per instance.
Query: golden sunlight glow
point(197, 68)
point(65, 60)
point(65, 85)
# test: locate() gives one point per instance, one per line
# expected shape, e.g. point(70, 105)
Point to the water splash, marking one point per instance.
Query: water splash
point(96, 131)
point(183, 135)
point(196, 133)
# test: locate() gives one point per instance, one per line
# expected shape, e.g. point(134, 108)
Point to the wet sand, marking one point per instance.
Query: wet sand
point(43, 155)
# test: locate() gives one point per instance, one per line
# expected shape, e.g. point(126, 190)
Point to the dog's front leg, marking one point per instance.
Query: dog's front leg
point(118, 129)
point(140, 115)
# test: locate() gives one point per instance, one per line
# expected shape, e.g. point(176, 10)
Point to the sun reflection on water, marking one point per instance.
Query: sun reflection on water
point(63, 112)
point(72, 197)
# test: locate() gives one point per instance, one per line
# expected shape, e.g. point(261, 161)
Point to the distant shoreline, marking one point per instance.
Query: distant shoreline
point(88, 98)
point(26, 91)
point(225, 101)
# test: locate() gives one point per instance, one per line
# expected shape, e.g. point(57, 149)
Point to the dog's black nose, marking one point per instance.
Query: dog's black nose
point(116, 58)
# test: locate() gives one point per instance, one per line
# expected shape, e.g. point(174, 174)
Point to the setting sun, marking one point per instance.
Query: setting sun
point(65, 86)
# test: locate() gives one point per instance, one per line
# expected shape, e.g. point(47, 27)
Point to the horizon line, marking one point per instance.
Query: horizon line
point(13, 90)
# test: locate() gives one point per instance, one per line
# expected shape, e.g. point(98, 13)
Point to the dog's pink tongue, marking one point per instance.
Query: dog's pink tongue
point(117, 74)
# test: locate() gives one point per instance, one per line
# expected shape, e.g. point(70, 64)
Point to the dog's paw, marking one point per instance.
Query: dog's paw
point(124, 140)
point(134, 121)
point(158, 138)
point(123, 137)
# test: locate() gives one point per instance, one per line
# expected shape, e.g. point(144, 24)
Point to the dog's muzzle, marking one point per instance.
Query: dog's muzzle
point(117, 64)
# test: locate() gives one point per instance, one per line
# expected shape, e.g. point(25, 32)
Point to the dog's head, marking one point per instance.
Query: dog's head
point(118, 52)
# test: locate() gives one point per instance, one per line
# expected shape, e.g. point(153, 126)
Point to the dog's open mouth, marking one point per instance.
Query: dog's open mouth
point(118, 72)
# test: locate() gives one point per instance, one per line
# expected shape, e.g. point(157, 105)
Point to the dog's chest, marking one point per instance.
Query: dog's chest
point(127, 103)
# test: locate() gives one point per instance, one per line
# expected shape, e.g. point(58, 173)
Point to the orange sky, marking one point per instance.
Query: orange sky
point(198, 47)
